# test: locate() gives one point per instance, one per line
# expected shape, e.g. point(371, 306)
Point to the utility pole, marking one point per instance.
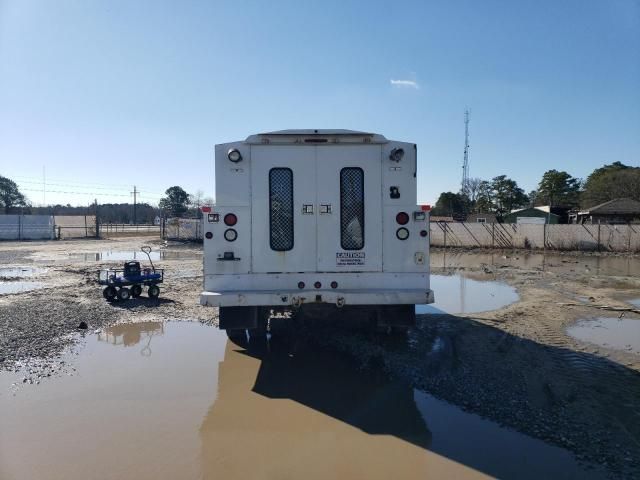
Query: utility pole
point(135, 193)
point(95, 202)
point(465, 164)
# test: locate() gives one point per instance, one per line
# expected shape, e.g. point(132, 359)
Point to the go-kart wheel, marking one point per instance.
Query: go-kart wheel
point(109, 293)
point(124, 293)
point(136, 291)
point(154, 291)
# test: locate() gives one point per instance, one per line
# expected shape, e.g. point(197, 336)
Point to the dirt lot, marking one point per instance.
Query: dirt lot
point(516, 366)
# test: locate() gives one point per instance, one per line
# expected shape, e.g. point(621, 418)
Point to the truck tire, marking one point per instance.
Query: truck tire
point(136, 291)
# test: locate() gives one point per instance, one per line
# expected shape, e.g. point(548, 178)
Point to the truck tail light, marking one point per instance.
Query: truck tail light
point(317, 285)
point(334, 284)
point(230, 219)
point(402, 218)
point(300, 285)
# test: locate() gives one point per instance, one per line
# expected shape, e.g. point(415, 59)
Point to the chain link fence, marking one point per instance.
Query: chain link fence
point(188, 229)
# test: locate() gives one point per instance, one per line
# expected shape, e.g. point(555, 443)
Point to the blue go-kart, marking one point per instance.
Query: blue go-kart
point(127, 282)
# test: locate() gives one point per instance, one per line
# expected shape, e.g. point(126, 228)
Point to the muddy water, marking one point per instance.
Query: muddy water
point(456, 294)
point(616, 333)
point(20, 272)
point(19, 287)
point(588, 264)
point(176, 400)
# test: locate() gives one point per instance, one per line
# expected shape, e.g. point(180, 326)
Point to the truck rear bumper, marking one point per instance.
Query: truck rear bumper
point(297, 298)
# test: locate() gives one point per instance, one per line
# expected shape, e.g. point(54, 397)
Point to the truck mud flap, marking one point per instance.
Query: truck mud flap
point(232, 318)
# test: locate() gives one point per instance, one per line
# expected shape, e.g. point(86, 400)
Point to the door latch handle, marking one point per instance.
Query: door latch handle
point(307, 209)
point(325, 208)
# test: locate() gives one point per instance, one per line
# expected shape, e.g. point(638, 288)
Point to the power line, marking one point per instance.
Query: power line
point(80, 185)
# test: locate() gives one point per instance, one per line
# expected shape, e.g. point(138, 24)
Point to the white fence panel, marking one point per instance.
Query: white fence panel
point(26, 227)
point(614, 238)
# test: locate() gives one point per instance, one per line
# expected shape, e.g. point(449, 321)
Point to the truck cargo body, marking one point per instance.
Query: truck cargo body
point(316, 216)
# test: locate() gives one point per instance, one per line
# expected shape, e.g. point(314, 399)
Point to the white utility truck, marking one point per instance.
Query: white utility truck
point(321, 220)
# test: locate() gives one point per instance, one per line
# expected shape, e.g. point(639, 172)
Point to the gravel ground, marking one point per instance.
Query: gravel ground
point(515, 366)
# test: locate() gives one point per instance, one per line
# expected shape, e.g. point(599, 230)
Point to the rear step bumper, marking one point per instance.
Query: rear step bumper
point(297, 298)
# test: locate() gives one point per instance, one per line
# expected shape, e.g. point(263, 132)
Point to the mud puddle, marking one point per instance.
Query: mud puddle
point(19, 287)
point(472, 440)
point(124, 255)
point(586, 263)
point(611, 332)
point(177, 400)
point(20, 272)
point(456, 294)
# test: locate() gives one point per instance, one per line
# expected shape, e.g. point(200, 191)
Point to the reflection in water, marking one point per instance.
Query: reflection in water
point(611, 332)
point(316, 413)
point(128, 334)
point(20, 272)
point(312, 415)
point(457, 294)
point(202, 407)
point(19, 287)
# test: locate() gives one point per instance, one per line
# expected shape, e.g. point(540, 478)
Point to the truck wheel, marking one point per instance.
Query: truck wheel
point(109, 293)
point(154, 291)
point(124, 294)
point(136, 291)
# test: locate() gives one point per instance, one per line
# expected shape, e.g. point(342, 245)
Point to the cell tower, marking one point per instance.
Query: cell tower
point(465, 164)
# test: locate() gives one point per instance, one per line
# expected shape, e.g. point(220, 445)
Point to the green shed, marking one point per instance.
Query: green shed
point(531, 215)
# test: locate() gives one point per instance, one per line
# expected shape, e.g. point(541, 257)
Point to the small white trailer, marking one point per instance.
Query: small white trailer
point(322, 219)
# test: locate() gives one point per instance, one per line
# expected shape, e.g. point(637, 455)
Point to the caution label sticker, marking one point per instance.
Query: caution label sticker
point(344, 259)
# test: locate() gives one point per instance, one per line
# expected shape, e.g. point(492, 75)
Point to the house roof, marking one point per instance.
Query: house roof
point(617, 206)
point(515, 213)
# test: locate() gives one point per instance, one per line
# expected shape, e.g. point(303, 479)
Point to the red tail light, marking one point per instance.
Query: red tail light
point(402, 218)
point(230, 219)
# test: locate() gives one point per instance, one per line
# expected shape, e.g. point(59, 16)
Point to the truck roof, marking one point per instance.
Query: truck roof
point(316, 136)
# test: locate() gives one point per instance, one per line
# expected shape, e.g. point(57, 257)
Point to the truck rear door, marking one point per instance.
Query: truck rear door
point(283, 199)
point(349, 220)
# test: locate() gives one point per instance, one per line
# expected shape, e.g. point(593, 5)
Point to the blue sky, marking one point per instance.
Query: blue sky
point(105, 95)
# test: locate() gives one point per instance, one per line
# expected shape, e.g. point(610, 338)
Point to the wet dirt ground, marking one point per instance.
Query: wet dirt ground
point(153, 390)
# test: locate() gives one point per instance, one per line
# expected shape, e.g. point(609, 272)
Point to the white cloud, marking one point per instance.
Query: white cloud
point(405, 83)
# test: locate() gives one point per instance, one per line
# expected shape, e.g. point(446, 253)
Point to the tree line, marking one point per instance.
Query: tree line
point(501, 194)
point(176, 203)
